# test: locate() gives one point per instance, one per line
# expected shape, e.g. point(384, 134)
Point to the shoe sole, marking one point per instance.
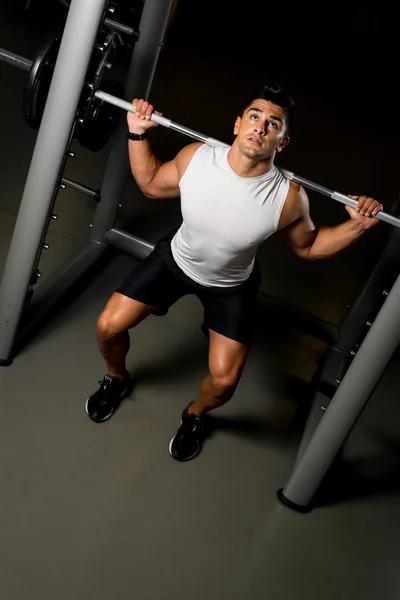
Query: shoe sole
point(107, 416)
point(182, 459)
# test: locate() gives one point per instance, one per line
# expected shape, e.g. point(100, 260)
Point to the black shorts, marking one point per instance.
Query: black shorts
point(159, 282)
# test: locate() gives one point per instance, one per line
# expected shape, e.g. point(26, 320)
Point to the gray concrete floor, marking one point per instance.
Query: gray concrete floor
point(102, 511)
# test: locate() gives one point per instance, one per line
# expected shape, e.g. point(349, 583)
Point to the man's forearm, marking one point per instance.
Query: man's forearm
point(331, 240)
point(144, 164)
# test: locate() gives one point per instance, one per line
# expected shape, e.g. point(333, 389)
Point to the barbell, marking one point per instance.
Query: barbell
point(95, 123)
point(160, 120)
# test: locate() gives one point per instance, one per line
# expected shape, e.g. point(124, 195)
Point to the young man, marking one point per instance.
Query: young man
point(232, 199)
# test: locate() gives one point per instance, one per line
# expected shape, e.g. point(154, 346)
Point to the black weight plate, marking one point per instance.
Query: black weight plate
point(39, 79)
point(100, 121)
point(104, 50)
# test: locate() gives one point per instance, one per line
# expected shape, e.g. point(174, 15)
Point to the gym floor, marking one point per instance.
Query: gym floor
point(102, 511)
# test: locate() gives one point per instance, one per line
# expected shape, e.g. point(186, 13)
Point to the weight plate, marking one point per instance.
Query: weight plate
point(96, 119)
point(100, 120)
point(104, 50)
point(39, 79)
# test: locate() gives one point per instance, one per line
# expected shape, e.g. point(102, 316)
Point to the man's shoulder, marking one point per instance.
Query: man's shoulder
point(190, 150)
point(296, 204)
point(297, 197)
point(186, 154)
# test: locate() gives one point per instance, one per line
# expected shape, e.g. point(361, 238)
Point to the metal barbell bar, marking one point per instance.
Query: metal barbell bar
point(338, 196)
point(25, 64)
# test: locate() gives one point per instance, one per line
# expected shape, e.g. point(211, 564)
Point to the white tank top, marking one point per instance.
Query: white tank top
point(225, 218)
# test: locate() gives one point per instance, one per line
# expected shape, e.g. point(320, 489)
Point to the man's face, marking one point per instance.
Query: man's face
point(261, 130)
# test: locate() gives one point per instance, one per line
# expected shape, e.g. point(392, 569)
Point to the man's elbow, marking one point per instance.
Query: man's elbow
point(308, 251)
point(312, 254)
point(156, 193)
point(305, 253)
point(146, 192)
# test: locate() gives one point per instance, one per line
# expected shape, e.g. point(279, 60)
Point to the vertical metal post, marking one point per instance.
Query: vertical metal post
point(75, 50)
point(152, 26)
point(351, 331)
point(346, 405)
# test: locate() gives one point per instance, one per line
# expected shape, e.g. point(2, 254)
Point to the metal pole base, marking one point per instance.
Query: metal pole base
point(6, 363)
point(289, 504)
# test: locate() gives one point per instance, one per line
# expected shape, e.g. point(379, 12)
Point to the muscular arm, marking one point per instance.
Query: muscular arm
point(155, 178)
point(309, 243)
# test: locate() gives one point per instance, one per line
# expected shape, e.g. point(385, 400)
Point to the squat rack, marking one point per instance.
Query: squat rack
point(17, 316)
point(79, 35)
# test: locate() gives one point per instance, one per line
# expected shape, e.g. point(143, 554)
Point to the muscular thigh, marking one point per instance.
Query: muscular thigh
point(122, 313)
point(150, 288)
point(153, 284)
point(231, 314)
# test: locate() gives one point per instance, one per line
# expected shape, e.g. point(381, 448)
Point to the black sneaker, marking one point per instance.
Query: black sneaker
point(101, 405)
point(188, 440)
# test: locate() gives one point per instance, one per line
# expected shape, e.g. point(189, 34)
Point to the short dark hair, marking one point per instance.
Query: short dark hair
point(275, 93)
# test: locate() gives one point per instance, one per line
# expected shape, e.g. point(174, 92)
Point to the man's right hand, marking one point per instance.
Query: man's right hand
point(139, 122)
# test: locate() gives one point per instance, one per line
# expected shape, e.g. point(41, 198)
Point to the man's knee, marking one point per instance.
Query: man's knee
point(121, 314)
point(225, 382)
point(108, 324)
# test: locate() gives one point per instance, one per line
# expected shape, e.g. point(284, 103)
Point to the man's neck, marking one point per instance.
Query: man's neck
point(248, 167)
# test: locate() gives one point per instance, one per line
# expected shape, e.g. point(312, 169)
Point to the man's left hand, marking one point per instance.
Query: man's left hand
point(365, 211)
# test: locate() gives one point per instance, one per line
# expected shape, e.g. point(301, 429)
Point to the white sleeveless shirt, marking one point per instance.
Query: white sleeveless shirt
point(225, 218)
